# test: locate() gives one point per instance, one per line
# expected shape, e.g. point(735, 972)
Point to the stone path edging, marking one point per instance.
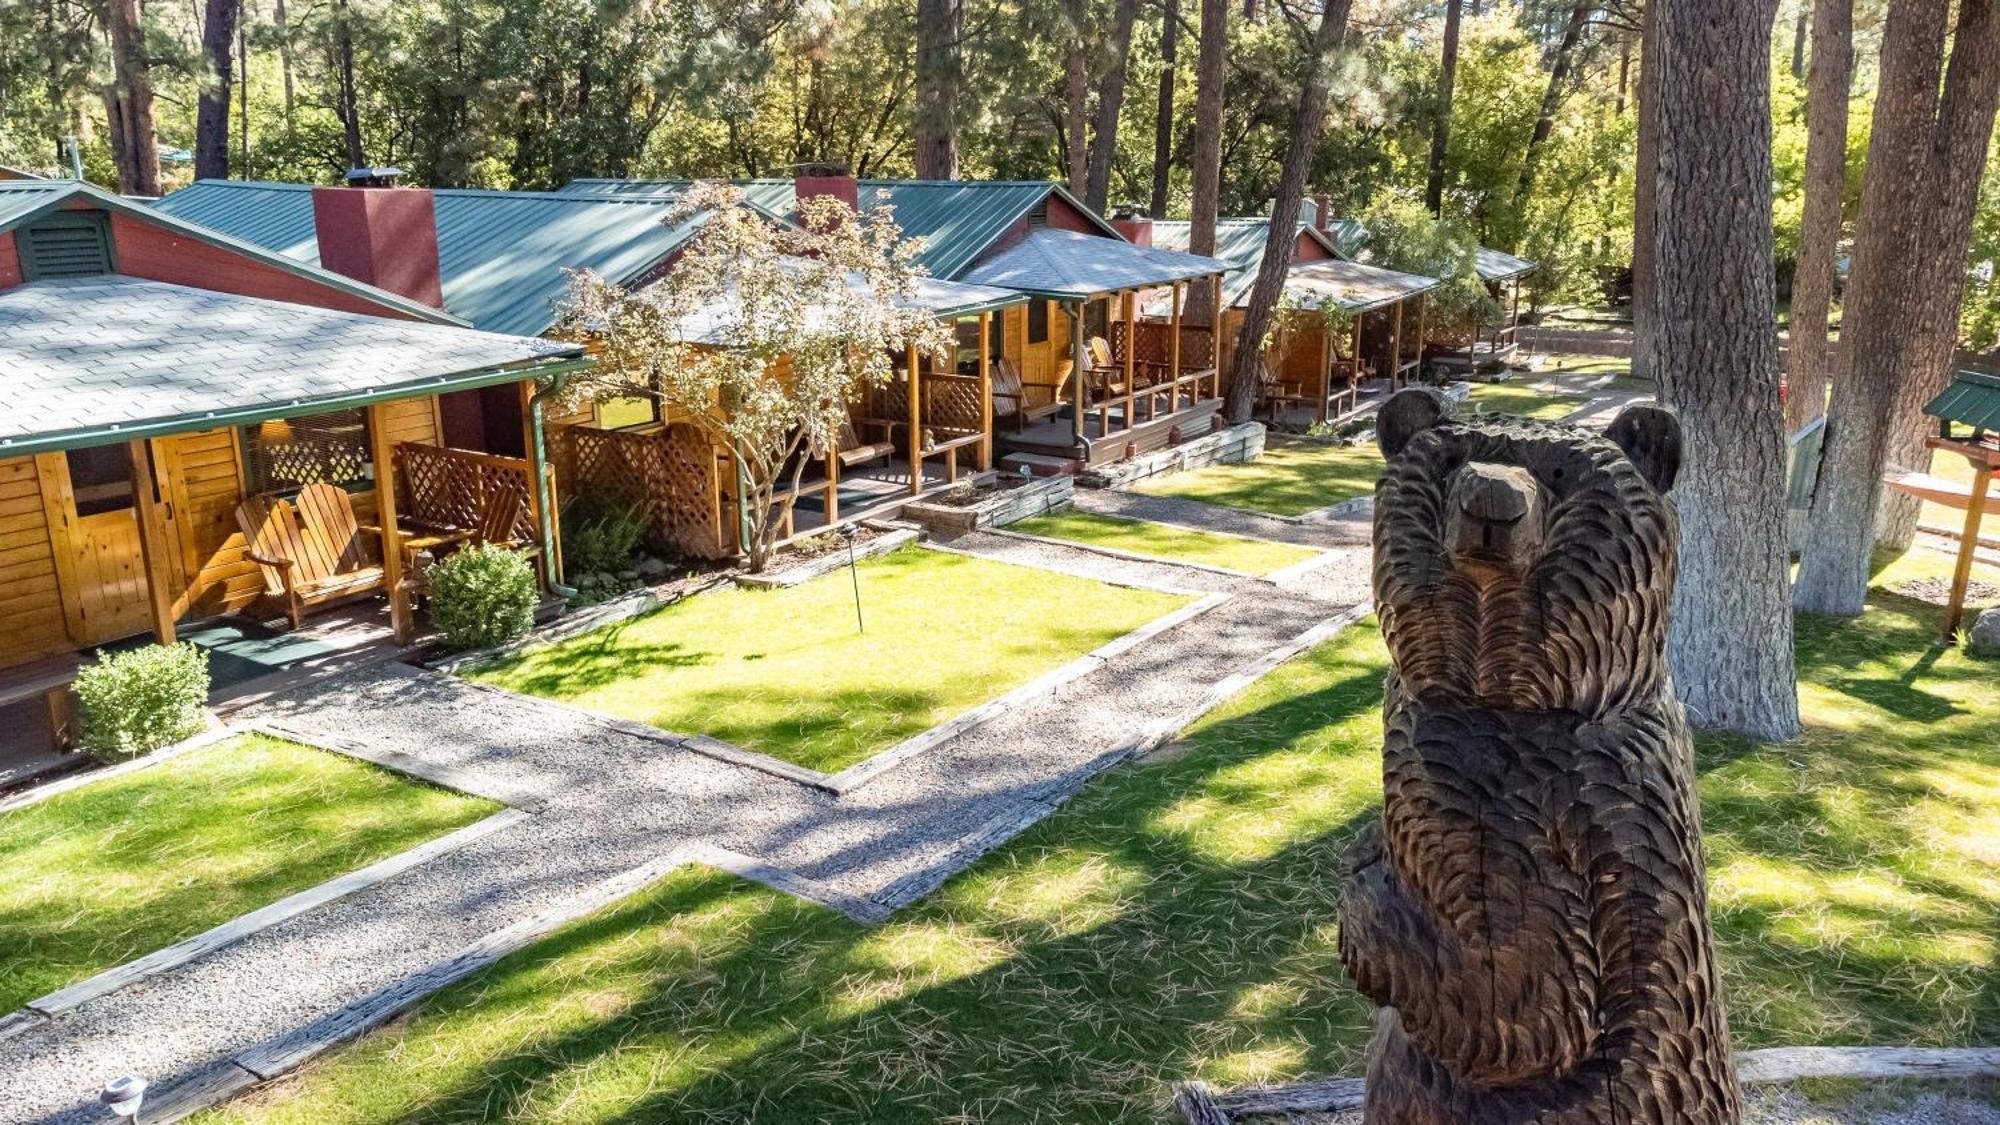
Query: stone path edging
point(828, 563)
point(64, 784)
point(1131, 556)
point(1201, 1104)
point(1128, 583)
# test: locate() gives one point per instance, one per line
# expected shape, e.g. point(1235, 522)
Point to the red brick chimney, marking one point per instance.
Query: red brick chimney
point(1322, 212)
point(832, 179)
point(385, 236)
point(1135, 225)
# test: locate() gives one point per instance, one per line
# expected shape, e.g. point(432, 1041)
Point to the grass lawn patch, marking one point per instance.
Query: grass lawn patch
point(1291, 478)
point(1165, 541)
point(119, 868)
point(1176, 921)
point(1515, 398)
point(786, 673)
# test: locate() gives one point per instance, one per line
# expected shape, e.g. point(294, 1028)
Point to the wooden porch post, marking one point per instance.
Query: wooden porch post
point(1358, 367)
point(916, 429)
point(152, 543)
point(1131, 354)
point(830, 493)
point(1423, 315)
point(1174, 351)
point(1968, 545)
point(1514, 316)
point(1077, 358)
point(1215, 336)
point(1396, 350)
point(1325, 368)
point(384, 456)
point(985, 392)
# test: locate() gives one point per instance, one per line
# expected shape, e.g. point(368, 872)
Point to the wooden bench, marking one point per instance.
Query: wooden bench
point(49, 679)
point(312, 554)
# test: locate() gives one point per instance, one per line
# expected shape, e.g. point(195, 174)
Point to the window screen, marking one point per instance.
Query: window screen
point(284, 455)
point(1038, 322)
point(100, 478)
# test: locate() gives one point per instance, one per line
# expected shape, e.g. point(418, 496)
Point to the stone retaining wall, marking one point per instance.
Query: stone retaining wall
point(1243, 442)
point(1038, 497)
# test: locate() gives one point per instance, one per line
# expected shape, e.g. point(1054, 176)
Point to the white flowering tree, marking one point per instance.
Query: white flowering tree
point(761, 334)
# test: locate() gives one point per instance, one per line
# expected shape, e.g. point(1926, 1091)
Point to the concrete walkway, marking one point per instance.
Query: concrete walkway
point(606, 804)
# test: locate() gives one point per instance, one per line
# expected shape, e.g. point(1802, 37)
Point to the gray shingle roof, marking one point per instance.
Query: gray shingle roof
point(1352, 286)
point(501, 253)
point(93, 359)
point(721, 320)
point(1498, 265)
point(1070, 265)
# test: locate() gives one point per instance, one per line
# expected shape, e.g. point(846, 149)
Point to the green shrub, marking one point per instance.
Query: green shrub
point(600, 539)
point(131, 702)
point(482, 596)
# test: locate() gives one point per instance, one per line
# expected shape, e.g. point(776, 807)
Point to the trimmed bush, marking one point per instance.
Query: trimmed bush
point(129, 703)
point(600, 538)
point(482, 596)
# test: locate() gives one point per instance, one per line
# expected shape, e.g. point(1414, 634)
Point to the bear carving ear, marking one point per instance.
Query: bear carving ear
point(1412, 411)
point(1650, 435)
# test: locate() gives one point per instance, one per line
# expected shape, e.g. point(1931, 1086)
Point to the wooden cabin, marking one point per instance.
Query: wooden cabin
point(1084, 279)
point(1315, 374)
point(159, 375)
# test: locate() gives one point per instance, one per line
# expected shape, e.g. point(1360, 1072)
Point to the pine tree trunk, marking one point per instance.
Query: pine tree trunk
point(1645, 195)
point(284, 54)
point(1825, 190)
point(1552, 97)
point(129, 103)
point(1730, 641)
point(1441, 130)
point(1076, 98)
point(1206, 172)
point(211, 129)
point(939, 27)
point(1805, 17)
point(349, 108)
point(1110, 100)
point(1163, 119)
point(1925, 157)
point(1307, 120)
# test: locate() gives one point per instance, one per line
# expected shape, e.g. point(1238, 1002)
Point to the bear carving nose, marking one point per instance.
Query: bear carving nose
point(1495, 521)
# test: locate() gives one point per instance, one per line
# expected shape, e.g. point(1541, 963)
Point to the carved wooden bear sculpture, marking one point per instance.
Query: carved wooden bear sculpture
point(1532, 913)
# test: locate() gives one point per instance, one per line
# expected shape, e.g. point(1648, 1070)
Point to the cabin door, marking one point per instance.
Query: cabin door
point(94, 506)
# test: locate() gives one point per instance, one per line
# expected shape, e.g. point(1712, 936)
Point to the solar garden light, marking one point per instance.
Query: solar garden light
point(847, 532)
point(123, 1095)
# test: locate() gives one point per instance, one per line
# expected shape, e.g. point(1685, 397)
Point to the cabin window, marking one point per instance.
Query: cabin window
point(1097, 318)
point(1038, 322)
point(283, 455)
point(100, 478)
point(625, 413)
point(66, 244)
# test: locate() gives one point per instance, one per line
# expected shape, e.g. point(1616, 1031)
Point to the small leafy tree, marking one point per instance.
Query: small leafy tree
point(1403, 236)
point(760, 335)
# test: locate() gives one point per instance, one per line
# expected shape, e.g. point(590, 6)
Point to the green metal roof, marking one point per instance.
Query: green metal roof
point(958, 219)
point(1972, 398)
point(1240, 242)
point(501, 253)
point(24, 200)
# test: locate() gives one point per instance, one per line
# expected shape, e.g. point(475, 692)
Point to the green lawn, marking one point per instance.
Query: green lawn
point(119, 868)
point(1291, 478)
point(1517, 398)
point(786, 673)
point(1175, 921)
point(1165, 541)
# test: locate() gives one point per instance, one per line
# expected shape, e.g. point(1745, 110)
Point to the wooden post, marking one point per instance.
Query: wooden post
point(985, 391)
point(1215, 337)
point(830, 492)
point(1078, 357)
point(916, 429)
point(1131, 357)
point(152, 543)
point(1325, 369)
point(1423, 314)
point(1961, 574)
point(1358, 318)
point(384, 456)
point(1174, 351)
point(1396, 350)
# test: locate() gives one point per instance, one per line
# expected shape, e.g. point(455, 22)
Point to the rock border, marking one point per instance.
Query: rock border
point(1201, 1104)
point(828, 563)
point(1037, 497)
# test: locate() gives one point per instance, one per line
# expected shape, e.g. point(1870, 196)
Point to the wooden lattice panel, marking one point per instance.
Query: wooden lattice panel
point(1156, 339)
point(449, 487)
point(669, 475)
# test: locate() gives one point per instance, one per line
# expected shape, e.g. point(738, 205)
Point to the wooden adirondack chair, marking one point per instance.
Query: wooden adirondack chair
point(1278, 393)
point(310, 554)
point(1011, 397)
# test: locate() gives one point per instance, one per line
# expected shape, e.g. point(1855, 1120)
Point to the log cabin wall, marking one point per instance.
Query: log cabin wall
point(1038, 361)
point(32, 623)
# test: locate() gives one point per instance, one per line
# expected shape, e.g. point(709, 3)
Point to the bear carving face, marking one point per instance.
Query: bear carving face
point(1521, 565)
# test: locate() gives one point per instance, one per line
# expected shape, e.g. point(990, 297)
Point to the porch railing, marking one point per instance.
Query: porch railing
point(670, 476)
point(443, 487)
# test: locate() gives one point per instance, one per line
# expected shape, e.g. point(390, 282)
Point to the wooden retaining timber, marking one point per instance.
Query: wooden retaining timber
point(1041, 496)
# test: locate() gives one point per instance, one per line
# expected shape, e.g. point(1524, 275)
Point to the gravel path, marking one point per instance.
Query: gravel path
point(609, 802)
point(1349, 530)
